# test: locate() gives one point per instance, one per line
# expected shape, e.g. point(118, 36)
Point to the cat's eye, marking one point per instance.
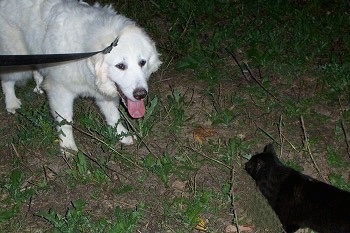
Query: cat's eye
point(121, 66)
point(142, 63)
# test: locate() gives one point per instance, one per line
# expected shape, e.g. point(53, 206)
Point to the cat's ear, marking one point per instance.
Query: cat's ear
point(269, 149)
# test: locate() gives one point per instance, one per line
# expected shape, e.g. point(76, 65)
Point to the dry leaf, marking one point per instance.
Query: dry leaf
point(179, 185)
point(201, 133)
point(202, 224)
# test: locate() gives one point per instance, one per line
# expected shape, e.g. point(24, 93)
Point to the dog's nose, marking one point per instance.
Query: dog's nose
point(139, 93)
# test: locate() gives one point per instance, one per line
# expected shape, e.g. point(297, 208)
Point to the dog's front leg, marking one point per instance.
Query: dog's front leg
point(111, 113)
point(11, 101)
point(38, 78)
point(61, 104)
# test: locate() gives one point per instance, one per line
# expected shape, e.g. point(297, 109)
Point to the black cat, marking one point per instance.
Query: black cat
point(299, 200)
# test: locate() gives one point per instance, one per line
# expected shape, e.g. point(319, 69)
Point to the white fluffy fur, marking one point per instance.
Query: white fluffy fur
point(68, 26)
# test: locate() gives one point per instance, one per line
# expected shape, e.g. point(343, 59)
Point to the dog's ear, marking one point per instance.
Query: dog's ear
point(154, 61)
point(99, 68)
point(98, 63)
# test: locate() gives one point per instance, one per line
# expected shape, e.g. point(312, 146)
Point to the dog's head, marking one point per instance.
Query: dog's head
point(125, 70)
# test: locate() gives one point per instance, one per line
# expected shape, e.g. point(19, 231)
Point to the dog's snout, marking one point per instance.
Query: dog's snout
point(139, 93)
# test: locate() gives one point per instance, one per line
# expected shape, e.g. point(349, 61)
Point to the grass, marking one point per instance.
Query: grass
point(14, 195)
point(75, 220)
point(36, 123)
point(236, 76)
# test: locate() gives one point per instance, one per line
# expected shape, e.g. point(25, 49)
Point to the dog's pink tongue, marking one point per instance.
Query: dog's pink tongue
point(136, 109)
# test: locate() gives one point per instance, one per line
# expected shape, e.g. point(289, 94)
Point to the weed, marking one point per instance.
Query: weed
point(162, 167)
point(224, 105)
point(123, 189)
point(15, 194)
point(176, 107)
point(36, 127)
point(225, 117)
point(86, 172)
point(188, 210)
point(334, 159)
point(234, 148)
point(336, 77)
point(197, 206)
point(75, 220)
point(145, 125)
point(95, 126)
point(339, 181)
point(296, 108)
point(126, 220)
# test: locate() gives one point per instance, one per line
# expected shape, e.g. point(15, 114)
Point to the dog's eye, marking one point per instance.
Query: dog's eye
point(121, 66)
point(142, 63)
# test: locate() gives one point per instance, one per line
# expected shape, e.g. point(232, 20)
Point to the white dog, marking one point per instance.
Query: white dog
point(69, 26)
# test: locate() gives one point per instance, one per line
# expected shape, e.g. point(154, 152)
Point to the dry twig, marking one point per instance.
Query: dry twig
point(136, 133)
point(107, 145)
point(207, 157)
point(269, 135)
point(238, 63)
point(280, 124)
point(98, 164)
point(232, 196)
point(250, 73)
point(30, 202)
point(307, 145)
point(259, 83)
point(15, 150)
point(343, 126)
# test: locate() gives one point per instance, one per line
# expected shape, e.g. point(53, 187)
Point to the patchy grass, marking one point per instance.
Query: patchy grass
point(236, 76)
point(75, 220)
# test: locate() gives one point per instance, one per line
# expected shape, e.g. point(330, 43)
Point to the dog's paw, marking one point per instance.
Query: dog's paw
point(66, 138)
point(68, 146)
point(128, 140)
point(38, 90)
point(68, 152)
point(12, 105)
point(38, 80)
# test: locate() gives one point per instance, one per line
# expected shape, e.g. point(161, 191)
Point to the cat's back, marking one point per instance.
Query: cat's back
point(315, 204)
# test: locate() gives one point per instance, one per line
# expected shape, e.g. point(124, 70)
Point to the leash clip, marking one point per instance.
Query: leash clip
point(111, 46)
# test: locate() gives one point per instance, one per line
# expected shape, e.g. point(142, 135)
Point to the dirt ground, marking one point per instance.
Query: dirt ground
point(206, 158)
point(254, 124)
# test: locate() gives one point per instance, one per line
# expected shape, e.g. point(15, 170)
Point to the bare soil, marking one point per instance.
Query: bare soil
point(256, 123)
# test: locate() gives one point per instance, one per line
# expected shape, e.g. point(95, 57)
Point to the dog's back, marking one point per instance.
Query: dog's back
point(21, 22)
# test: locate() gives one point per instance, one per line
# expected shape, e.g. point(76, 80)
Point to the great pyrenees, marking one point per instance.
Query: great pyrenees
point(71, 26)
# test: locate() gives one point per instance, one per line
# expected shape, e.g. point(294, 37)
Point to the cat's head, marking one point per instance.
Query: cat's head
point(261, 163)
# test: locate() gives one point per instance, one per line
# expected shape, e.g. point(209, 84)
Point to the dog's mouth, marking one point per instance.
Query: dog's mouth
point(136, 109)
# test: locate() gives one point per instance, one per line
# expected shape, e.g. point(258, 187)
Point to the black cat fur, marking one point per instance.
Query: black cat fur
point(299, 200)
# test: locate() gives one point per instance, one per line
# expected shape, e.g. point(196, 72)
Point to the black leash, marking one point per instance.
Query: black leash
point(35, 59)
